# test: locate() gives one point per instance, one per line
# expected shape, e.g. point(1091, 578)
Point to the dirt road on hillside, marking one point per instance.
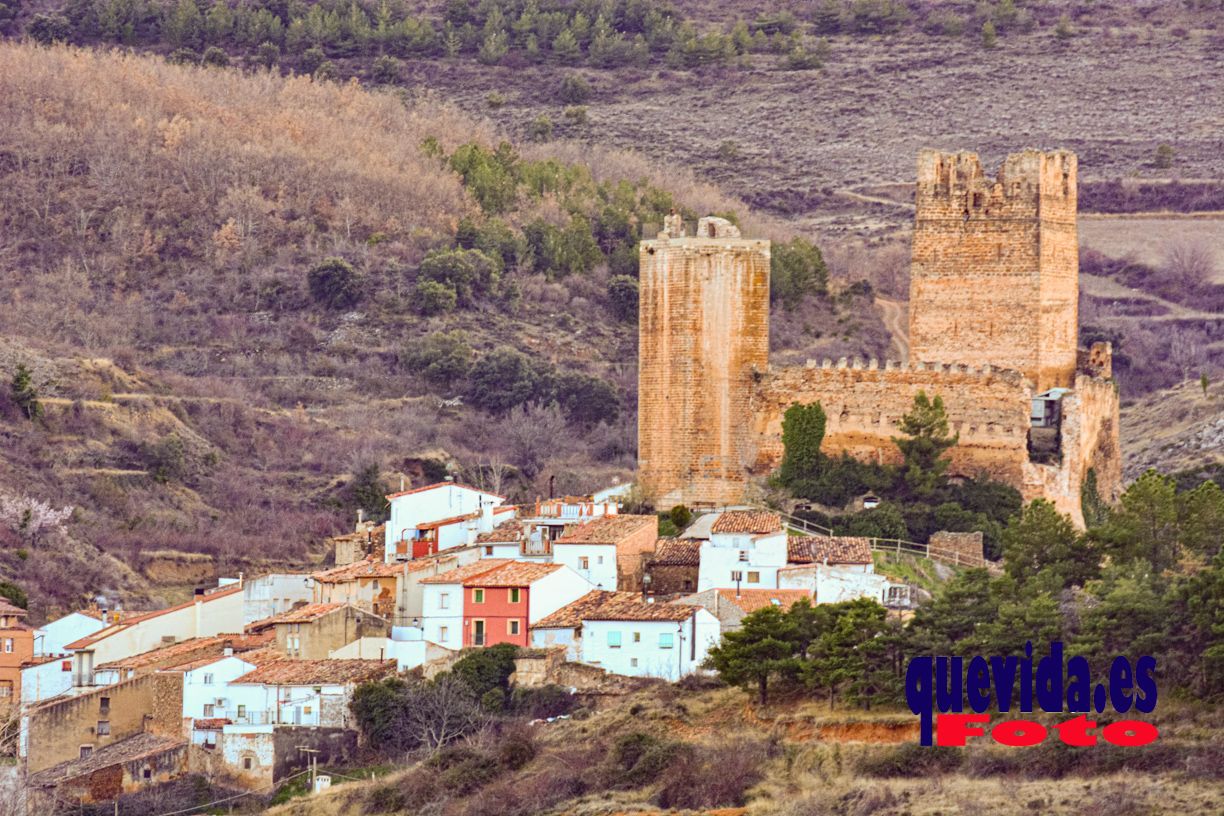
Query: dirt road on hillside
point(893, 313)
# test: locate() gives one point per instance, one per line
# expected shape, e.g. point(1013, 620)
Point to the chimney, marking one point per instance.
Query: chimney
point(401, 484)
point(360, 518)
point(486, 516)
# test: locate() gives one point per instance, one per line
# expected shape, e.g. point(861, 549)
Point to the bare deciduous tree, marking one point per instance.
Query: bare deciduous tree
point(1186, 352)
point(1190, 263)
point(443, 711)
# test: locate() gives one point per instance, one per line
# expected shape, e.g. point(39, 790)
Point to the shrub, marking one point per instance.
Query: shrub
point(1063, 30)
point(387, 69)
point(712, 776)
point(13, 593)
point(184, 56)
point(311, 60)
point(334, 284)
point(515, 747)
point(434, 298)
point(796, 269)
point(49, 28)
point(587, 400)
point(501, 380)
point(468, 272)
point(638, 759)
point(575, 115)
point(442, 358)
point(215, 57)
point(542, 702)
point(623, 297)
point(485, 670)
point(24, 394)
point(990, 37)
point(495, 99)
point(574, 90)
point(910, 760)
point(326, 72)
point(541, 129)
point(268, 55)
point(166, 459)
point(681, 516)
point(1164, 157)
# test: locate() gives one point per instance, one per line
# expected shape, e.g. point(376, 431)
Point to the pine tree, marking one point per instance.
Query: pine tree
point(24, 393)
point(1041, 538)
point(762, 648)
point(926, 438)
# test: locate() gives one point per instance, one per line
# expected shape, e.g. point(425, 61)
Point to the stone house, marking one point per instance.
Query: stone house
point(126, 766)
point(313, 693)
point(314, 631)
point(673, 567)
point(389, 590)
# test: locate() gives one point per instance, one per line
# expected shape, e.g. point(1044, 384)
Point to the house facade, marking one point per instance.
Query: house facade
point(730, 606)
point(745, 550)
point(620, 539)
point(437, 517)
point(314, 631)
point(312, 693)
point(53, 638)
point(16, 649)
point(673, 568)
point(273, 594)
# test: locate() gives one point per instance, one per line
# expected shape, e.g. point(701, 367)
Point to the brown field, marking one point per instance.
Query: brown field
point(1147, 239)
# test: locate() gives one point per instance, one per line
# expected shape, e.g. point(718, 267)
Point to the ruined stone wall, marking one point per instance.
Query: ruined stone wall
point(864, 403)
point(994, 278)
point(56, 731)
point(1090, 416)
point(704, 339)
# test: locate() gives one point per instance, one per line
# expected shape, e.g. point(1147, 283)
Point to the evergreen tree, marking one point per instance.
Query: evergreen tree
point(25, 395)
point(366, 491)
point(1041, 538)
point(762, 648)
point(1145, 524)
point(926, 439)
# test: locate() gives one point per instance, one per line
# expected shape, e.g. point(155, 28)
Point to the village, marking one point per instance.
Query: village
point(251, 679)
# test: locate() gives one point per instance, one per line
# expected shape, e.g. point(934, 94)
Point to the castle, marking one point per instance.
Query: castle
point(993, 330)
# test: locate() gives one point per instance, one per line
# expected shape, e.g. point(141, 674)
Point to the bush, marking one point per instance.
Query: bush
point(434, 298)
point(485, 670)
point(587, 400)
point(49, 28)
point(541, 129)
point(501, 380)
point(334, 284)
point(542, 702)
point(268, 55)
point(387, 69)
point(910, 760)
point(681, 516)
point(442, 358)
point(312, 59)
point(575, 115)
point(575, 90)
point(623, 297)
point(637, 759)
point(215, 57)
point(469, 273)
point(184, 56)
point(716, 776)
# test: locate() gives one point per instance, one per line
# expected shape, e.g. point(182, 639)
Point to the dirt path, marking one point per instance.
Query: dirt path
point(893, 313)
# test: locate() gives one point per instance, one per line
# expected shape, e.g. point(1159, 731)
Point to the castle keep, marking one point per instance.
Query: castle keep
point(993, 330)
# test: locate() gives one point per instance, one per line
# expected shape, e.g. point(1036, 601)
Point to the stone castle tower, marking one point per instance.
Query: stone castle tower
point(704, 344)
point(995, 274)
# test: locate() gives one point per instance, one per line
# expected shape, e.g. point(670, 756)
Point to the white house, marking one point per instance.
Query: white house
point(437, 517)
point(596, 562)
point(53, 638)
point(45, 677)
point(408, 649)
point(623, 634)
point(210, 612)
point(516, 539)
point(273, 594)
point(746, 549)
point(310, 692)
point(206, 687)
point(838, 568)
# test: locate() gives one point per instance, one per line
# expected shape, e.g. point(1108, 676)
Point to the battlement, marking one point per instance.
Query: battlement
point(963, 371)
point(1044, 181)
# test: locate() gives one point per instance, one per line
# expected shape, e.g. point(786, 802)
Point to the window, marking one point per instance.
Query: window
point(633, 662)
point(637, 637)
point(516, 595)
point(477, 596)
point(86, 750)
point(754, 577)
point(147, 773)
point(666, 640)
point(489, 550)
point(743, 555)
point(614, 640)
point(103, 705)
point(8, 645)
point(208, 679)
point(584, 563)
point(444, 600)
point(248, 763)
point(241, 712)
point(512, 627)
point(210, 710)
point(6, 688)
point(103, 728)
point(443, 631)
point(599, 559)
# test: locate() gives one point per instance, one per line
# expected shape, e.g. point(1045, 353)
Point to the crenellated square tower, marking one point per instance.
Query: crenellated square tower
point(995, 273)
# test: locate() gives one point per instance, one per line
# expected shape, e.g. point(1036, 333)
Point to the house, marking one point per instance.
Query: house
point(16, 649)
point(308, 692)
point(274, 593)
point(314, 631)
point(673, 567)
point(852, 553)
point(206, 690)
point(53, 638)
point(390, 590)
point(554, 515)
point(730, 606)
point(607, 551)
point(129, 765)
point(437, 517)
point(45, 677)
point(176, 654)
point(746, 549)
point(210, 612)
point(623, 634)
point(408, 649)
point(495, 601)
point(365, 541)
point(838, 568)
point(518, 539)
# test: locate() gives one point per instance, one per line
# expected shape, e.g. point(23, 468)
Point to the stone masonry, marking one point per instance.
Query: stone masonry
point(993, 323)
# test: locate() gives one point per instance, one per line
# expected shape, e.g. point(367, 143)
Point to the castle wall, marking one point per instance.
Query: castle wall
point(864, 404)
point(995, 265)
point(704, 338)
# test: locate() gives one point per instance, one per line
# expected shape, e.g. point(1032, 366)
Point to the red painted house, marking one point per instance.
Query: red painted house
point(500, 605)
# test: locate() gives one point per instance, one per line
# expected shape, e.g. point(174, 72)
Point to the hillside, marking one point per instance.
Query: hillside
point(237, 291)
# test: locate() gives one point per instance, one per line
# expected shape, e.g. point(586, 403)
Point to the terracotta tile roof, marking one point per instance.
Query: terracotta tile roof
point(437, 485)
point(7, 608)
point(750, 600)
point(262, 657)
point(189, 650)
point(366, 568)
point(676, 552)
point(600, 605)
point(137, 747)
point(42, 660)
point(317, 672)
point(607, 529)
point(102, 634)
point(508, 532)
point(837, 549)
point(211, 724)
point(748, 521)
point(462, 574)
point(513, 574)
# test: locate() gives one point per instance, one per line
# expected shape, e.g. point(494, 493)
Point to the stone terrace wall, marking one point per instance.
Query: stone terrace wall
point(988, 407)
